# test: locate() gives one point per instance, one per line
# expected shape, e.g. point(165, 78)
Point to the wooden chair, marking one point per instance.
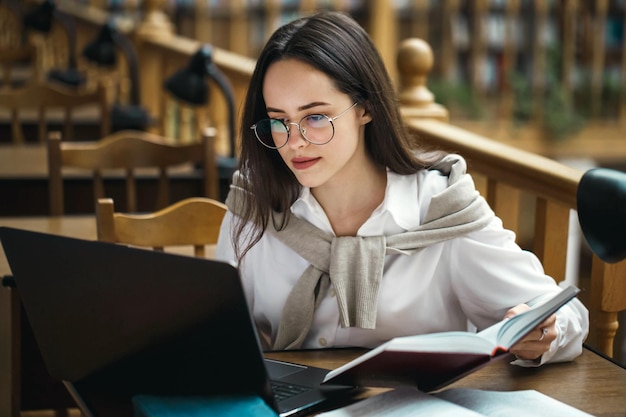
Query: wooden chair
point(194, 221)
point(38, 99)
point(129, 151)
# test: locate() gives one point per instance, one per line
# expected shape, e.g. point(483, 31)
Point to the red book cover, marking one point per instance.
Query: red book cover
point(431, 361)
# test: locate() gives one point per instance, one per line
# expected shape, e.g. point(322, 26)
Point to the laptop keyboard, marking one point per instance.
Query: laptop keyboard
point(283, 390)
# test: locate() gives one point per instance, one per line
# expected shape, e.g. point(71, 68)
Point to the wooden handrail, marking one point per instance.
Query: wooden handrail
point(525, 170)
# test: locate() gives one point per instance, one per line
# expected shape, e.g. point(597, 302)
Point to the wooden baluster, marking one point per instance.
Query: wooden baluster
point(478, 44)
point(167, 116)
point(505, 202)
point(551, 230)
point(186, 128)
point(598, 56)
point(272, 16)
point(238, 27)
point(449, 43)
point(570, 9)
point(420, 19)
point(383, 32)
point(509, 57)
point(131, 191)
point(608, 293)
point(55, 175)
point(414, 62)
point(211, 180)
point(202, 21)
point(539, 60)
point(155, 25)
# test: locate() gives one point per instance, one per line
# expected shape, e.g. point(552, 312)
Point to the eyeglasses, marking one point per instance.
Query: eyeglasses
point(317, 129)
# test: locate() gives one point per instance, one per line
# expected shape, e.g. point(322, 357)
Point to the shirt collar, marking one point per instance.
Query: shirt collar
point(399, 211)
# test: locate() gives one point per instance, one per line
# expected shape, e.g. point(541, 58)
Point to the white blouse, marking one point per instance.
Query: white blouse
point(464, 283)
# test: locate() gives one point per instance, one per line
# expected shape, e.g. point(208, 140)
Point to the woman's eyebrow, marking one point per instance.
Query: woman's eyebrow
point(301, 108)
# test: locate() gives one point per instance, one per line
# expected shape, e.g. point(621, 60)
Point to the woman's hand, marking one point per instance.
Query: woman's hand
point(537, 342)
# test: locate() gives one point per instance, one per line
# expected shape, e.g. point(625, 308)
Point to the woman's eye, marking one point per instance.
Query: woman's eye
point(316, 120)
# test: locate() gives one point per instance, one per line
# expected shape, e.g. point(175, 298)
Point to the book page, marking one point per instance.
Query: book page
point(526, 403)
point(516, 327)
point(459, 341)
point(402, 402)
point(461, 402)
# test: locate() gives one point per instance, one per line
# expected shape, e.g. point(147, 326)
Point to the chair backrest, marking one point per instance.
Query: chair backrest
point(130, 151)
point(191, 222)
point(37, 100)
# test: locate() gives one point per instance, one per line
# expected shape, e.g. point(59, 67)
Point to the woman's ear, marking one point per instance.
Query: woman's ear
point(364, 114)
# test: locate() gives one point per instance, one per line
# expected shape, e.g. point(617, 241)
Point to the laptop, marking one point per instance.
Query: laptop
point(113, 322)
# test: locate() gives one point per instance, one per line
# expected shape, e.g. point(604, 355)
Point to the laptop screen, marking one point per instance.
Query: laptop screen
point(115, 321)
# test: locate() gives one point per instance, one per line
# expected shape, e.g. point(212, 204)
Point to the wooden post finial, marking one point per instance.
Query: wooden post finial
point(155, 22)
point(414, 61)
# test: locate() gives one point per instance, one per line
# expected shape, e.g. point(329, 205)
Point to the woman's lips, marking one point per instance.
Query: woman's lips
point(304, 163)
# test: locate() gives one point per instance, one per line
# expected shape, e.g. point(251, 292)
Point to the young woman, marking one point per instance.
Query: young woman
point(344, 233)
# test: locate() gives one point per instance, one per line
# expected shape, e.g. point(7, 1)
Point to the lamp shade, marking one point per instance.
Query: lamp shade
point(40, 17)
point(102, 50)
point(601, 203)
point(189, 84)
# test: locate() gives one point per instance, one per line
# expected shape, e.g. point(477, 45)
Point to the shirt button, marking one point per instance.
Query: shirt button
point(323, 342)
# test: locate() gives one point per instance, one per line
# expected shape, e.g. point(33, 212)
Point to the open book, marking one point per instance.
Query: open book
point(431, 361)
point(458, 402)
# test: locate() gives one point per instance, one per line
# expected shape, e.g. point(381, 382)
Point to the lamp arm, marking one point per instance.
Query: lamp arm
point(131, 58)
point(227, 89)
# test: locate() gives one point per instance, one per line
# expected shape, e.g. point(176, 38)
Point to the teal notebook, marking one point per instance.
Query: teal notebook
point(219, 406)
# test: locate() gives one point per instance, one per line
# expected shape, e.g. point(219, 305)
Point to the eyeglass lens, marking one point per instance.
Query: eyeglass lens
point(315, 128)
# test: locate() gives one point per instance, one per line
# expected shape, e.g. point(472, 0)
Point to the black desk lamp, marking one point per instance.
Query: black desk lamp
point(601, 202)
point(190, 85)
point(40, 19)
point(103, 52)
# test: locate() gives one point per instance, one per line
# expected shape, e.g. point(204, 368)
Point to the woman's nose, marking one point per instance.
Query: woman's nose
point(296, 137)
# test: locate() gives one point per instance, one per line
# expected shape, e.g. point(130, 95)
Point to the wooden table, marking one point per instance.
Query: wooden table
point(24, 183)
point(590, 383)
point(80, 226)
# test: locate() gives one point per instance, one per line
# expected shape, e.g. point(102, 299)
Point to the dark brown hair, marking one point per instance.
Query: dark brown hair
point(335, 44)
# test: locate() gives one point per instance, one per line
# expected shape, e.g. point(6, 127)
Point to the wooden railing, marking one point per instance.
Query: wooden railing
point(572, 48)
point(509, 177)
point(505, 176)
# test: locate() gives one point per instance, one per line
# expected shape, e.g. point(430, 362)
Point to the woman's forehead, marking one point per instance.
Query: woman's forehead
point(291, 79)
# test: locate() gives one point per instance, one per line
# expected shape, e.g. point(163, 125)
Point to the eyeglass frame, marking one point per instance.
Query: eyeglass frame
point(287, 127)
